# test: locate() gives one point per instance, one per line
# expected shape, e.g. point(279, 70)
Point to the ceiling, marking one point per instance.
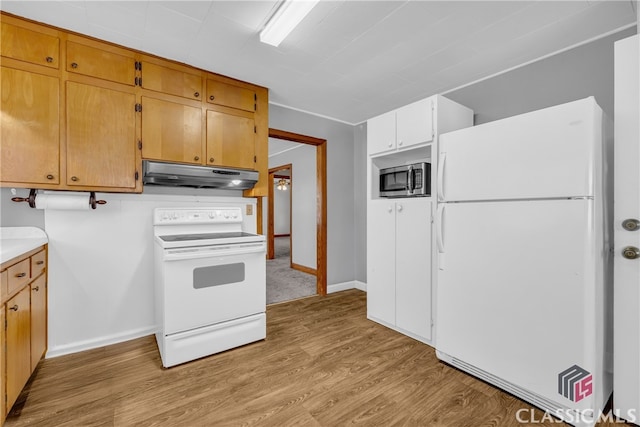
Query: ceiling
point(347, 60)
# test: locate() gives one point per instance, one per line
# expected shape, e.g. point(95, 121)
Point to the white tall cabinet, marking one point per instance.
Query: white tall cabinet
point(400, 264)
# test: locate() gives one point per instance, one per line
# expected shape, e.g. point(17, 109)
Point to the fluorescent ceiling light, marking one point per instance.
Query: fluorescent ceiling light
point(286, 18)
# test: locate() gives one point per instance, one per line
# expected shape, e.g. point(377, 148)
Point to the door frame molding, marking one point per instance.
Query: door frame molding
point(321, 209)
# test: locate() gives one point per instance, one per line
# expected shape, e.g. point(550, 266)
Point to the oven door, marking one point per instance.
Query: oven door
point(203, 286)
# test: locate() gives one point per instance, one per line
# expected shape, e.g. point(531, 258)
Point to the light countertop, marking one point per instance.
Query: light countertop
point(15, 241)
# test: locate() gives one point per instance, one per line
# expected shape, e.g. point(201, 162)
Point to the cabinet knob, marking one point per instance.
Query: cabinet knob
point(39, 262)
point(74, 178)
point(74, 65)
point(211, 160)
point(399, 208)
point(197, 94)
point(389, 209)
point(36, 289)
point(49, 59)
point(21, 275)
point(14, 308)
point(49, 176)
point(212, 97)
point(390, 144)
point(399, 142)
point(196, 158)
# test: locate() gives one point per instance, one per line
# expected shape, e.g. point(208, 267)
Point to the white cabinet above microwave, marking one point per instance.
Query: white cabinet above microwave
point(402, 128)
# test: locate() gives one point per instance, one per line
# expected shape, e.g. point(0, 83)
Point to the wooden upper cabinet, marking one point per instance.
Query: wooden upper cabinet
point(29, 127)
point(171, 131)
point(101, 137)
point(170, 81)
point(231, 96)
point(30, 46)
point(230, 140)
point(102, 64)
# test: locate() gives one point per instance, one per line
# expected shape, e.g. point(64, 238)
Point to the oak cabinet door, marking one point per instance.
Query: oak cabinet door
point(18, 343)
point(171, 131)
point(231, 96)
point(29, 128)
point(230, 140)
point(38, 320)
point(30, 46)
point(102, 64)
point(101, 137)
point(170, 81)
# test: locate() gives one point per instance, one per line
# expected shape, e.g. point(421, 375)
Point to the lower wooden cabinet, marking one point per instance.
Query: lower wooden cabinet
point(18, 344)
point(38, 334)
point(23, 316)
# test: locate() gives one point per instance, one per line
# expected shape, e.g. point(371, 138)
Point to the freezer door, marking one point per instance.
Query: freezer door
point(543, 154)
point(517, 290)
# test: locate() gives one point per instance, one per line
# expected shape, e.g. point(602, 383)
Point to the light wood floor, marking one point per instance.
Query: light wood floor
point(322, 364)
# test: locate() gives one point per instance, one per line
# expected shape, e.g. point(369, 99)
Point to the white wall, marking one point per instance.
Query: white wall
point(281, 210)
point(303, 201)
point(340, 185)
point(101, 282)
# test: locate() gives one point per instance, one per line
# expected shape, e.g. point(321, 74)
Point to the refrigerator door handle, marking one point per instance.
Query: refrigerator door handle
point(439, 229)
point(441, 159)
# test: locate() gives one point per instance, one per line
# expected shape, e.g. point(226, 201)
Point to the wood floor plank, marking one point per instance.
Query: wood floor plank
point(323, 364)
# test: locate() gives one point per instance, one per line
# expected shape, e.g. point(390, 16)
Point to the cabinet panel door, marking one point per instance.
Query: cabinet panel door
point(173, 82)
point(18, 344)
point(38, 320)
point(381, 133)
point(30, 46)
point(102, 64)
point(413, 266)
point(230, 140)
point(230, 96)
point(29, 128)
point(3, 409)
point(381, 261)
point(171, 131)
point(101, 139)
point(414, 123)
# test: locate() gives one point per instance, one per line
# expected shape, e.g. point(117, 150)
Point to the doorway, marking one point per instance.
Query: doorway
point(321, 204)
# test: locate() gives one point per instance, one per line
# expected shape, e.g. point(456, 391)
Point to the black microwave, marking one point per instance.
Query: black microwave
point(406, 181)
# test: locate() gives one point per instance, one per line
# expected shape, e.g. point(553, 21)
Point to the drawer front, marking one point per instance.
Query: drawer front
point(99, 63)
point(38, 263)
point(231, 96)
point(30, 46)
point(173, 82)
point(19, 275)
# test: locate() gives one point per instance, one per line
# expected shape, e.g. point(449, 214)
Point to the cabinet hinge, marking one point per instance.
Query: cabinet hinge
point(255, 107)
point(138, 108)
point(255, 129)
point(139, 145)
point(255, 96)
point(137, 175)
point(138, 65)
point(255, 159)
point(135, 82)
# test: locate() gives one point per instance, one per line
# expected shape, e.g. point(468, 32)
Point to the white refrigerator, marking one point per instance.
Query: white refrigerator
point(524, 269)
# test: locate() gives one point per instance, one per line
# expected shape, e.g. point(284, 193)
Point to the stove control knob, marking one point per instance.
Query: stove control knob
point(212, 215)
point(226, 215)
point(235, 215)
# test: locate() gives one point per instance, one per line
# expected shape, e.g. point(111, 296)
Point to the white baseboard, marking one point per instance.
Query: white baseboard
point(77, 347)
point(344, 286)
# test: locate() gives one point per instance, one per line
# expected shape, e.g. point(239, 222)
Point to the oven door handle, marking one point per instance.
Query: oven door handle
point(180, 254)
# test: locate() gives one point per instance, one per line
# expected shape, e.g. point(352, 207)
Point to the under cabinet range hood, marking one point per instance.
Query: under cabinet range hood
point(178, 175)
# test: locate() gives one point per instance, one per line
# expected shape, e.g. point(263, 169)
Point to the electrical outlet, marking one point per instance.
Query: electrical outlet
point(249, 209)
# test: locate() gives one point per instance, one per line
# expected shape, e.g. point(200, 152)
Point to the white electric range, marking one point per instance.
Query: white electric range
point(210, 279)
